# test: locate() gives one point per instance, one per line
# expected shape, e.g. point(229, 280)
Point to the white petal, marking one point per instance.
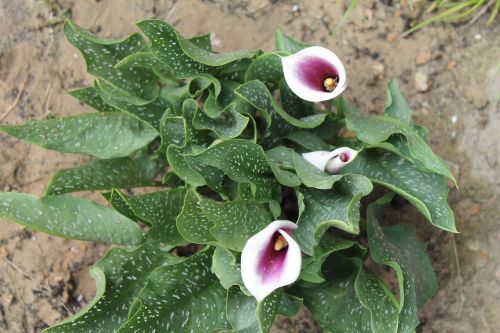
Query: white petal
point(318, 158)
point(306, 70)
point(262, 283)
point(331, 162)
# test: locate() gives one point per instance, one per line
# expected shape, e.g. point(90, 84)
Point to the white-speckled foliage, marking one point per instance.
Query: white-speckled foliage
point(119, 277)
point(214, 141)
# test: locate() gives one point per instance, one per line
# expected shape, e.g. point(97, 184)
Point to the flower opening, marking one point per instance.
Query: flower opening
point(270, 259)
point(315, 74)
point(331, 162)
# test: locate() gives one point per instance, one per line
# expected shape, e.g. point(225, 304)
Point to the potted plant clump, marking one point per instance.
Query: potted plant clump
point(252, 204)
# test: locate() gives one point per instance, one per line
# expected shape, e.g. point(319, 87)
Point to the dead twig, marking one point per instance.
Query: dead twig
point(480, 13)
point(16, 100)
point(48, 93)
point(171, 12)
point(459, 274)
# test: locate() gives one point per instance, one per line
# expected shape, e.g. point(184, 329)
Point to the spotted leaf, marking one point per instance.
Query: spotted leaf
point(160, 209)
point(121, 172)
point(376, 131)
point(248, 316)
point(398, 247)
point(184, 57)
point(185, 297)
point(69, 217)
point(103, 134)
point(119, 277)
point(426, 191)
point(338, 207)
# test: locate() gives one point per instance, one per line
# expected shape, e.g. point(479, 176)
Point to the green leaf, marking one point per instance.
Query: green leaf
point(235, 221)
point(248, 316)
point(334, 303)
point(327, 244)
point(119, 202)
point(202, 41)
point(70, 217)
point(397, 107)
point(90, 97)
point(185, 297)
point(119, 277)
point(293, 104)
point(287, 43)
point(279, 159)
point(201, 82)
point(229, 124)
point(266, 68)
point(376, 130)
point(289, 305)
point(257, 94)
point(311, 176)
point(337, 208)
point(426, 191)
point(376, 297)
point(184, 57)
point(182, 168)
point(309, 141)
point(101, 134)
point(160, 210)
point(192, 223)
point(243, 162)
point(150, 112)
point(226, 268)
point(398, 247)
point(172, 132)
point(352, 299)
point(102, 55)
point(122, 172)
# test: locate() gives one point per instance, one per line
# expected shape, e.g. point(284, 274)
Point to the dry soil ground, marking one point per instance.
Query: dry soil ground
point(450, 75)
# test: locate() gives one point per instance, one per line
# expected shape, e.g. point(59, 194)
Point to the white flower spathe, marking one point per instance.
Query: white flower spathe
point(331, 162)
point(315, 74)
point(270, 259)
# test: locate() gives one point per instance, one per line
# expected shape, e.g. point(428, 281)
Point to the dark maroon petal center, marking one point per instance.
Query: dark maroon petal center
point(314, 72)
point(271, 261)
point(344, 157)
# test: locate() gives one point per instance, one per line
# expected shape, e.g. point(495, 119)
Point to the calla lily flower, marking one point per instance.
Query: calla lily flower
point(315, 74)
point(270, 259)
point(331, 162)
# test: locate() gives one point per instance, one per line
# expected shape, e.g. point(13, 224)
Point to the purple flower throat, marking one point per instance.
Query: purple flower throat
point(316, 73)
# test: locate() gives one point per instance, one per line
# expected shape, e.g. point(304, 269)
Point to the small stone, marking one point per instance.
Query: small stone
point(391, 38)
point(4, 252)
point(422, 82)
point(7, 298)
point(422, 111)
point(423, 57)
point(379, 68)
point(473, 246)
point(215, 40)
point(478, 36)
point(476, 97)
point(451, 65)
point(346, 133)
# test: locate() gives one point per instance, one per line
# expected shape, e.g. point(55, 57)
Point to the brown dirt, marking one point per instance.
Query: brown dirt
point(43, 279)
